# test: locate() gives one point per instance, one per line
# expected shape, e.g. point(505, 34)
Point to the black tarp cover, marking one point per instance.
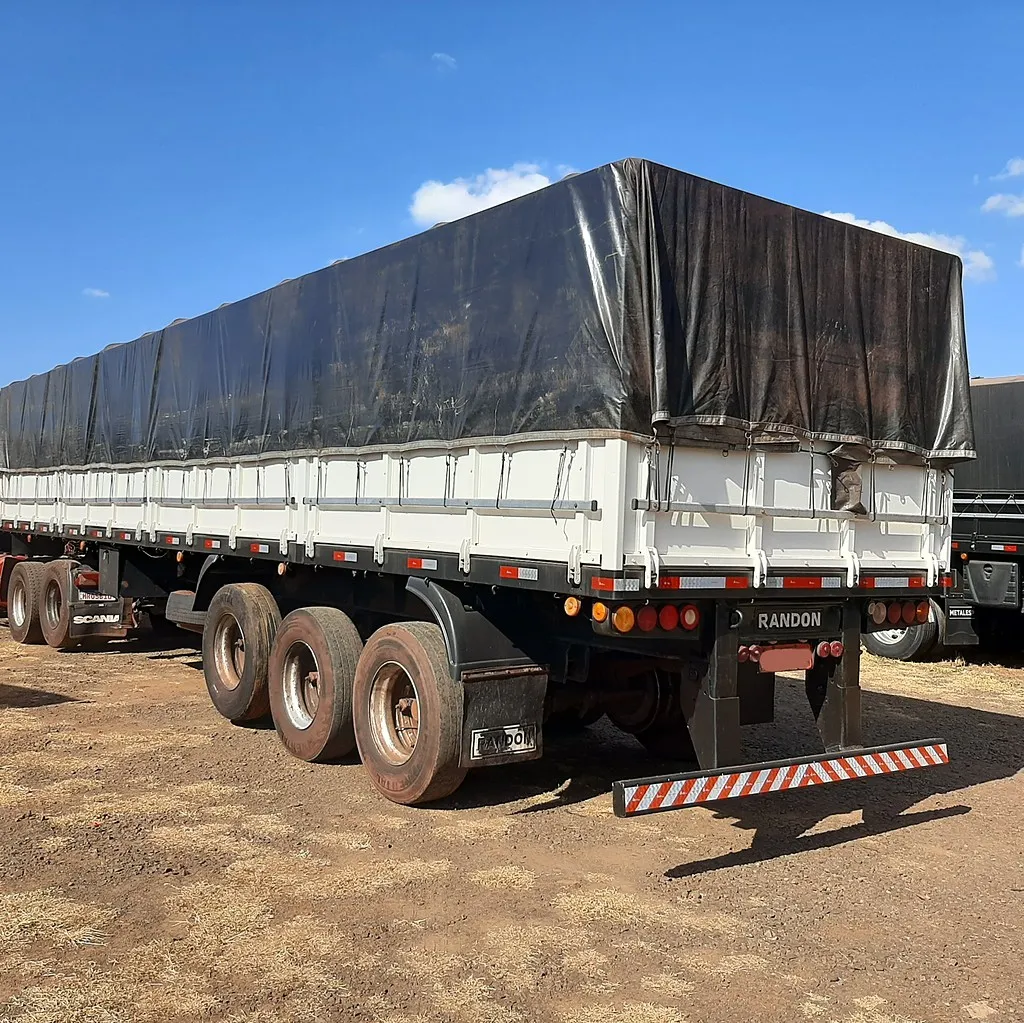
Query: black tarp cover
point(998, 406)
point(629, 299)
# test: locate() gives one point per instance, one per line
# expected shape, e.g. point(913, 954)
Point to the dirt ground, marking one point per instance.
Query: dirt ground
point(159, 864)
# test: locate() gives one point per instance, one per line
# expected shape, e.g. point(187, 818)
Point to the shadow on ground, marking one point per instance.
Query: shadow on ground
point(16, 697)
point(984, 746)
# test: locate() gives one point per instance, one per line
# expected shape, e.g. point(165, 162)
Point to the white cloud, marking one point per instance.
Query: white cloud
point(445, 61)
point(978, 265)
point(436, 201)
point(1014, 169)
point(95, 293)
point(1011, 205)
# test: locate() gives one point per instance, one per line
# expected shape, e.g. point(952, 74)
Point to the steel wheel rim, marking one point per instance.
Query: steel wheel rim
point(300, 685)
point(229, 651)
point(53, 603)
point(18, 604)
point(890, 637)
point(394, 713)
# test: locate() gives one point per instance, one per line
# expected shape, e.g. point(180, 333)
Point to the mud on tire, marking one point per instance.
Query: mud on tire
point(312, 670)
point(237, 638)
point(23, 602)
point(407, 714)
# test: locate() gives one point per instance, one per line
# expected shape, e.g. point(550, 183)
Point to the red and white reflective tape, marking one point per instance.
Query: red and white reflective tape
point(892, 582)
point(649, 795)
point(517, 572)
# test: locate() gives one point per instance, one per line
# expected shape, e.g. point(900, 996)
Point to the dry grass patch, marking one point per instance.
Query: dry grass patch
point(210, 837)
point(352, 841)
point(148, 804)
point(45, 915)
point(631, 1012)
point(612, 906)
point(474, 829)
point(670, 984)
point(505, 878)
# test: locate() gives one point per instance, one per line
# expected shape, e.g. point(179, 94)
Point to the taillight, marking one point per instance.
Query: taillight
point(824, 649)
point(647, 618)
point(909, 613)
point(668, 617)
point(623, 619)
point(754, 653)
point(689, 617)
point(835, 648)
point(573, 606)
point(923, 611)
point(599, 612)
point(743, 655)
point(877, 612)
point(894, 614)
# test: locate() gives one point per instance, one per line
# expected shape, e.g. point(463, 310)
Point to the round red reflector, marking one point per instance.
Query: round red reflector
point(754, 653)
point(689, 617)
point(923, 611)
point(824, 649)
point(893, 614)
point(668, 618)
point(909, 612)
point(743, 655)
point(647, 618)
point(836, 648)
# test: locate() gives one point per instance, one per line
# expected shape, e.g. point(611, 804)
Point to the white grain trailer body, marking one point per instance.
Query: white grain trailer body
point(446, 590)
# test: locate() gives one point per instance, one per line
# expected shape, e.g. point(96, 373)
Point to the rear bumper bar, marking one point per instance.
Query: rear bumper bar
point(675, 791)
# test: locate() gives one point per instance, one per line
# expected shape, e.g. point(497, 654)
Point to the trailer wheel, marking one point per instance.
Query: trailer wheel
point(237, 638)
point(312, 668)
point(904, 644)
point(23, 602)
point(55, 605)
point(408, 714)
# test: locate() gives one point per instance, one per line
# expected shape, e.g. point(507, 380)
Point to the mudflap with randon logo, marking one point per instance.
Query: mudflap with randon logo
point(101, 616)
point(503, 714)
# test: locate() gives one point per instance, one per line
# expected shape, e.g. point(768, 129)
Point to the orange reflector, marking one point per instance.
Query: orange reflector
point(179, 557)
point(668, 617)
point(922, 611)
point(599, 612)
point(689, 617)
point(647, 618)
point(282, 568)
point(909, 613)
point(572, 606)
point(623, 619)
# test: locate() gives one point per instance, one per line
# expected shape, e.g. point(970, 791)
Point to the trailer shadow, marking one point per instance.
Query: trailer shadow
point(984, 746)
point(24, 697)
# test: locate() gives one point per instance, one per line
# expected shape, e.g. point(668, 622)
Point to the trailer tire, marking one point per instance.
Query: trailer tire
point(904, 644)
point(23, 602)
point(408, 714)
point(655, 716)
point(313, 716)
point(237, 638)
point(55, 605)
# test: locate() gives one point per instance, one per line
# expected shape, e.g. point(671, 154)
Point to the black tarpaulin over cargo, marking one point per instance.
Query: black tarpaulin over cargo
point(999, 419)
point(627, 299)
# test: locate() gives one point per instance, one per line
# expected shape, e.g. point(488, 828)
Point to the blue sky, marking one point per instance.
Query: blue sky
point(159, 159)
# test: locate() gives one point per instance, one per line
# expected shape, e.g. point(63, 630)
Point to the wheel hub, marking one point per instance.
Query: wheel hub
point(394, 713)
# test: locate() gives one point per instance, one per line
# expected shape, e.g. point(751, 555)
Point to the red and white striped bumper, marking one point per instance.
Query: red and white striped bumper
point(674, 791)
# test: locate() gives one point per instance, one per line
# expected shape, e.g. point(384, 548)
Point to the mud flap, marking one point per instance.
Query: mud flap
point(101, 617)
point(503, 717)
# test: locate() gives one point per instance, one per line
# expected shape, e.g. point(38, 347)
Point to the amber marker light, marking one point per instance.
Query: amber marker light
point(623, 619)
point(573, 606)
point(599, 612)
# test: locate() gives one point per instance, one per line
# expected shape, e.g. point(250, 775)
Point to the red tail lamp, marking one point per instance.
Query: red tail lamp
point(689, 617)
point(824, 649)
point(647, 618)
point(835, 648)
point(894, 614)
point(923, 611)
point(668, 617)
point(909, 613)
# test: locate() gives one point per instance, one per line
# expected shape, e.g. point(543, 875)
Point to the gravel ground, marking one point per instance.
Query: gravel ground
point(160, 864)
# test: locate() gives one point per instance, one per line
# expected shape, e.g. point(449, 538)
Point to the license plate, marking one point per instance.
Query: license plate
point(500, 742)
